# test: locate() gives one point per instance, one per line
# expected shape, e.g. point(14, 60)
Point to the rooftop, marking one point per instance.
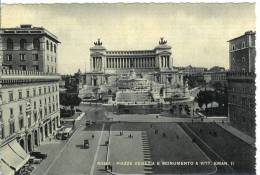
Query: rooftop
point(28, 29)
point(246, 33)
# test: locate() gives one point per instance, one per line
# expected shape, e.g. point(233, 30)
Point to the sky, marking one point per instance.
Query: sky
point(198, 33)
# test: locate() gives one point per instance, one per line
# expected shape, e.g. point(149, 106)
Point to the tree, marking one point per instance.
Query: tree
point(69, 99)
point(204, 97)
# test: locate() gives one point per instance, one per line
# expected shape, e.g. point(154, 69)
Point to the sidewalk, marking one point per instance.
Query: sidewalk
point(51, 148)
point(246, 138)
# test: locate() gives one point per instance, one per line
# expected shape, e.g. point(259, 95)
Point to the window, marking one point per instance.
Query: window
point(55, 59)
point(22, 44)
point(10, 67)
point(11, 112)
point(34, 105)
point(44, 90)
point(34, 92)
point(40, 102)
point(243, 59)
point(20, 95)
point(51, 59)
point(10, 44)
point(45, 111)
point(21, 109)
point(40, 91)
point(11, 127)
point(243, 70)
point(29, 121)
point(35, 57)
point(51, 46)
point(47, 45)
point(36, 68)
point(48, 69)
point(243, 44)
point(11, 98)
point(49, 89)
point(27, 93)
point(47, 58)
point(23, 67)
point(54, 48)
point(21, 124)
point(233, 47)
point(243, 101)
point(35, 117)
point(22, 57)
point(233, 59)
point(9, 57)
point(36, 44)
point(40, 114)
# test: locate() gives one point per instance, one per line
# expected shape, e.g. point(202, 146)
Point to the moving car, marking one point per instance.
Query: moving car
point(86, 144)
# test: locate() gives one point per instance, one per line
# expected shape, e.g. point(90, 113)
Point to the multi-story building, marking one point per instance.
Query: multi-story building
point(29, 99)
point(155, 65)
point(193, 71)
point(241, 83)
point(215, 75)
point(29, 48)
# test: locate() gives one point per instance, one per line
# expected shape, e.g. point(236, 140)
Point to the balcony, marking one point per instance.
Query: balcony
point(241, 76)
point(8, 74)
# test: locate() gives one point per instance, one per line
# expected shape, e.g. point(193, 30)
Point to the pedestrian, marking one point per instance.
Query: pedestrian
point(164, 135)
point(111, 168)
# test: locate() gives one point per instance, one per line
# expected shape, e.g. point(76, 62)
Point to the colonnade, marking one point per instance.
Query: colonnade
point(97, 63)
point(165, 61)
point(145, 62)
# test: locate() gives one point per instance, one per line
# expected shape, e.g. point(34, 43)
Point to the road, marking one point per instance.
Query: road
point(69, 157)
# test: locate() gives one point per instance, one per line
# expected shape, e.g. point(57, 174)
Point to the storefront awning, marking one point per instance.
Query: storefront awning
point(19, 150)
point(5, 169)
point(11, 157)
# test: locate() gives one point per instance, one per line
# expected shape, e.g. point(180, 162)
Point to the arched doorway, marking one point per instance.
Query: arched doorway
point(35, 138)
point(29, 145)
point(22, 143)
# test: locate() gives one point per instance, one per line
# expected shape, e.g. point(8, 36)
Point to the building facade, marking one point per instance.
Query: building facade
point(29, 98)
point(216, 75)
point(241, 83)
point(29, 48)
point(155, 65)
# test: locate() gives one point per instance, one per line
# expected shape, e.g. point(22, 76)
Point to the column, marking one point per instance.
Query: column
point(93, 63)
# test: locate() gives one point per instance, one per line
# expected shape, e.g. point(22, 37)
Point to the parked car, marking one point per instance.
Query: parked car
point(66, 133)
point(88, 123)
point(38, 155)
point(78, 110)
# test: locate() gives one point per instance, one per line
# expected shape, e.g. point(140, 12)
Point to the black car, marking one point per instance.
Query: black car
point(38, 155)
